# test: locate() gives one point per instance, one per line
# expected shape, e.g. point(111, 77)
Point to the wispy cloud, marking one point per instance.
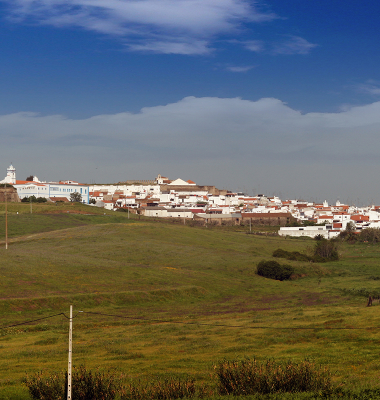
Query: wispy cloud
point(370, 87)
point(240, 69)
point(145, 24)
point(254, 45)
point(293, 45)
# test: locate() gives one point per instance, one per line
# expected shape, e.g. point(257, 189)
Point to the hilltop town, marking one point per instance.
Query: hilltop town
point(166, 198)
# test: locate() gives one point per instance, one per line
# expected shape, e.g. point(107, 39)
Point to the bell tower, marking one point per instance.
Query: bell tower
point(11, 174)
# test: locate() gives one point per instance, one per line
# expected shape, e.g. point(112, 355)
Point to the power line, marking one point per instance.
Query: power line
point(162, 321)
point(29, 322)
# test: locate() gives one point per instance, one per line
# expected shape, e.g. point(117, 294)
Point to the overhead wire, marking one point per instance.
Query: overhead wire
point(163, 321)
point(29, 322)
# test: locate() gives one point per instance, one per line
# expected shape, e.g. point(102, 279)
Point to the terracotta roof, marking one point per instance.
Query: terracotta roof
point(358, 217)
point(25, 182)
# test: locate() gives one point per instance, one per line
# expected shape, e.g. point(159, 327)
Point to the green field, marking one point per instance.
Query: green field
point(177, 298)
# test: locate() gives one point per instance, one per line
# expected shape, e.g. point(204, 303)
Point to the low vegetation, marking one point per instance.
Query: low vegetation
point(163, 301)
point(274, 270)
point(324, 251)
point(248, 377)
point(86, 385)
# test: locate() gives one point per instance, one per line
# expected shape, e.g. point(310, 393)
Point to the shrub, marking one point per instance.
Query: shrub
point(86, 385)
point(371, 235)
point(291, 255)
point(169, 388)
point(43, 387)
point(241, 378)
point(274, 270)
point(280, 253)
point(34, 199)
point(326, 250)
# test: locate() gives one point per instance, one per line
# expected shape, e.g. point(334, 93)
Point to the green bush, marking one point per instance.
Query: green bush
point(291, 255)
point(280, 253)
point(86, 385)
point(274, 270)
point(42, 387)
point(242, 378)
point(34, 199)
point(326, 250)
point(169, 388)
point(371, 235)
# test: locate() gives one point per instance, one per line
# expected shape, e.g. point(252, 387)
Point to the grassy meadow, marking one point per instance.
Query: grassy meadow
point(164, 299)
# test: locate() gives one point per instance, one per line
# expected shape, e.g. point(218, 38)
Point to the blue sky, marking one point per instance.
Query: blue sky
point(277, 97)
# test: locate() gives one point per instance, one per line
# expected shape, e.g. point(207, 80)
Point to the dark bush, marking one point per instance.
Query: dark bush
point(291, 255)
point(34, 199)
point(242, 378)
point(280, 253)
point(274, 270)
point(167, 389)
point(42, 387)
point(86, 385)
point(326, 250)
point(370, 235)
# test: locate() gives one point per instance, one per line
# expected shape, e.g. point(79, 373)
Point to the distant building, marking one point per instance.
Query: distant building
point(48, 190)
point(11, 175)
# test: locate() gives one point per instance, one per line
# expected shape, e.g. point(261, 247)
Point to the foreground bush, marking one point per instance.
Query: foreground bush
point(169, 388)
point(274, 270)
point(241, 378)
point(86, 385)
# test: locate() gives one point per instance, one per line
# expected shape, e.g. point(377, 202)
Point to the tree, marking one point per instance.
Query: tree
point(326, 250)
point(30, 178)
point(75, 197)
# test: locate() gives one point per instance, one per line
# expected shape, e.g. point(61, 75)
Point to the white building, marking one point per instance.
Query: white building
point(47, 190)
point(11, 175)
point(309, 231)
point(50, 190)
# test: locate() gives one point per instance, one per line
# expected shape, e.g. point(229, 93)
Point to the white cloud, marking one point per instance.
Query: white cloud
point(254, 45)
point(294, 45)
point(155, 21)
point(222, 141)
point(370, 87)
point(240, 69)
point(173, 47)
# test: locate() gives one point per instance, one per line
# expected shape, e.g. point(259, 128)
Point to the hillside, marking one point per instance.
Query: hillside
point(174, 298)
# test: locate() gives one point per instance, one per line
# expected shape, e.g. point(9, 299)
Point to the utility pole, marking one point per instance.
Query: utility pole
point(30, 201)
point(6, 217)
point(70, 354)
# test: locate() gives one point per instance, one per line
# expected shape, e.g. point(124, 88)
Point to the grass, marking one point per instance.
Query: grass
point(176, 298)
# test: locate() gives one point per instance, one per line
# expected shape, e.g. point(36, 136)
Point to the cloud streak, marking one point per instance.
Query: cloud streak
point(293, 45)
point(147, 25)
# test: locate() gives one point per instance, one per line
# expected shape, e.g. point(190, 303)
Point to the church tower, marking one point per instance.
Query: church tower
point(11, 174)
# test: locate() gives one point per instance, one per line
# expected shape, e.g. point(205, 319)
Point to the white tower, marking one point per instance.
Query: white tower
point(11, 174)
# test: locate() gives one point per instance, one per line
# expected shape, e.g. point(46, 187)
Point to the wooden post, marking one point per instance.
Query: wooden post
point(6, 217)
point(70, 354)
